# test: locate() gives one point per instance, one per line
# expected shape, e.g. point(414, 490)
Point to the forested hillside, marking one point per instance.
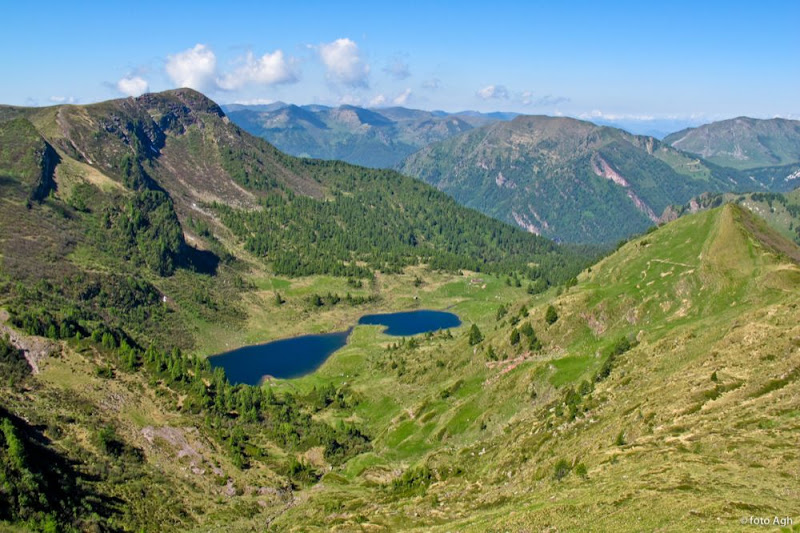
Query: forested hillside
point(135, 238)
point(571, 180)
point(366, 225)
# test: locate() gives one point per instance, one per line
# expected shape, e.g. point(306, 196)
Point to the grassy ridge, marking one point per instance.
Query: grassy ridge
point(706, 309)
point(779, 210)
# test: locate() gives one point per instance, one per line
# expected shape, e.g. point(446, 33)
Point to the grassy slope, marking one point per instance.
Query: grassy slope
point(780, 210)
point(705, 298)
point(701, 294)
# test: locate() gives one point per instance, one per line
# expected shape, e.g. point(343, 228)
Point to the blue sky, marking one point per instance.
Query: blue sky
point(628, 60)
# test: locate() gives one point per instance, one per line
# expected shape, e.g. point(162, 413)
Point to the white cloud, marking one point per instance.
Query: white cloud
point(195, 68)
point(269, 69)
point(378, 101)
point(432, 84)
point(255, 101)
point(350, 99)
point(398, 69)
point(402, 98)
point(495, 92)
point(597, 114)
point(133, 85)
point(527, 98)
point(550, 100)
point(63, 99)
point(344, 64)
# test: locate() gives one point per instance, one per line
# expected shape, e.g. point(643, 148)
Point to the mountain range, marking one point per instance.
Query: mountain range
point(653, 389)
point(570, 180)
point(743, 143)
point(162, 180)
point(378, 138)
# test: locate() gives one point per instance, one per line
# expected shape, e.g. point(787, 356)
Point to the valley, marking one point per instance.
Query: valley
point(449, 267)
point(653, 387)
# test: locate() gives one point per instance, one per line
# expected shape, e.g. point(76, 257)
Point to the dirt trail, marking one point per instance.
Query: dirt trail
point(507, 366)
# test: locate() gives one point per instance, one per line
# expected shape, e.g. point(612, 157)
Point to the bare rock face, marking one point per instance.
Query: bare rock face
point(670, 213)
point(592, 184)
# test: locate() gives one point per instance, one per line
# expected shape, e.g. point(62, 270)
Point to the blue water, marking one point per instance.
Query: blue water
point(285, 358)
point(412, 322)
point(298, 356)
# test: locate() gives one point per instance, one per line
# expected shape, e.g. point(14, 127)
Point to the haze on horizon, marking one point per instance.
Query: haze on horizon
point(631, 61)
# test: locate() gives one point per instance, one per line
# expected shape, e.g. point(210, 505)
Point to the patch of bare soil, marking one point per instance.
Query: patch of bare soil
point(34, 348)
point(177, 441)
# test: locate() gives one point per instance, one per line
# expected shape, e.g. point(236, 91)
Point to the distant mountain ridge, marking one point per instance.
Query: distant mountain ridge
point(743, 143)
point(653, 127)
point(372, 137)
point(563, 178)
point(571, 180)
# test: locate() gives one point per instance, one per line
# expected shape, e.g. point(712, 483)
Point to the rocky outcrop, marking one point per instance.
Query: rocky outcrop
point(601, 168)
point(34, 348)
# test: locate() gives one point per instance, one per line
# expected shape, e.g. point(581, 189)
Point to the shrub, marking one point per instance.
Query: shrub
point(475, 335)
point(491, 354)
point(413, 480)
point(501, 312)
point(534, 344)
point(526, 329)
point(13, 366)
point(301, 471)
point(619, 347)
point(550, 316)
point(561, 469)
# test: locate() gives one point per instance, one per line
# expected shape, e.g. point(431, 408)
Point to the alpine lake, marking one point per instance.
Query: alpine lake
point(297, 356)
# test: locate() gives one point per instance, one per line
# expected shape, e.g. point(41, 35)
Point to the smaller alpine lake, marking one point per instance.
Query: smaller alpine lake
point(298, 356)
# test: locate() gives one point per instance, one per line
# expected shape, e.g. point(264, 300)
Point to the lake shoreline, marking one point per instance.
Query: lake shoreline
point(300, 355)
